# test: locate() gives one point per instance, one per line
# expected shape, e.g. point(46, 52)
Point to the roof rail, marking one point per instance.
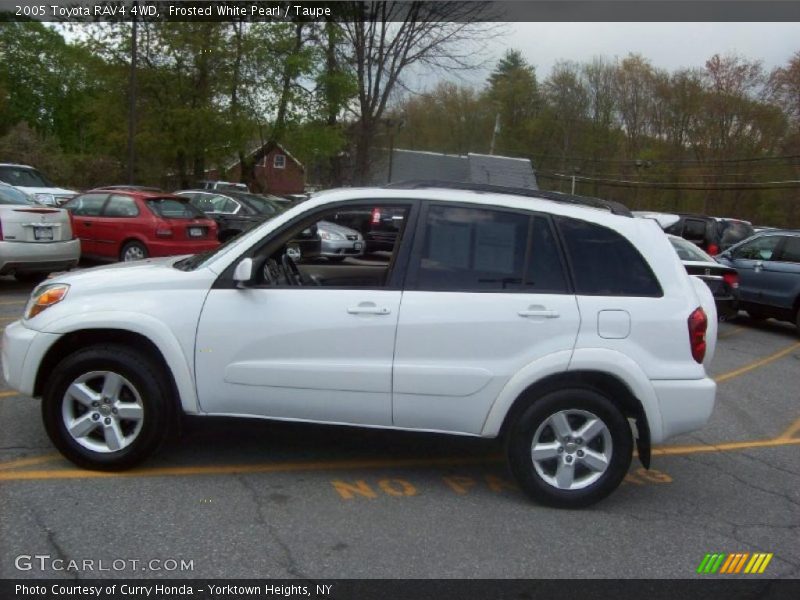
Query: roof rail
point(616, 208)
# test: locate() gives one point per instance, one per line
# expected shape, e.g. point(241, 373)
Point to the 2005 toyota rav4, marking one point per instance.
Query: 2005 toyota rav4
point(569, 329)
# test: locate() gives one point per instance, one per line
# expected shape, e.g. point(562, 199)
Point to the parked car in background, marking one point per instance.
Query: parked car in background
point(34, 239)
point(132, 188)
point(130, 225)
point(339, 242)
point(712, 234)
point(233, 211)
point(722, 280)
point(571, 331)
point(769, 274)
point(33, 182)
point(222, 185)
point(380, 226)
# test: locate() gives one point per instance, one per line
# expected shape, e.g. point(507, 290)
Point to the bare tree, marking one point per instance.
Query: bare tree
point(387, 38)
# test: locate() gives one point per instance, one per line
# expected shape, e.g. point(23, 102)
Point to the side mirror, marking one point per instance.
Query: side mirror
point(243, 272)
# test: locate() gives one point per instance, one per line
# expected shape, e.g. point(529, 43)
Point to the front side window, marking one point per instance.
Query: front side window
point(758, 249)
point(121, 207)
point(604, 263)
point(481, 250)
point(88, 205)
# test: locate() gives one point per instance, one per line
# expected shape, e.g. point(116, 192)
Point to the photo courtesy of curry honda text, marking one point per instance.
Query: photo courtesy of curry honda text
point(562, 324)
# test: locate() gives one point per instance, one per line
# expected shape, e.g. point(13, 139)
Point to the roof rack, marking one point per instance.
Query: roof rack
point(616, 208)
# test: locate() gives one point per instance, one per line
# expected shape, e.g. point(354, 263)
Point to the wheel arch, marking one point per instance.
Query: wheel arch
point(165, 353)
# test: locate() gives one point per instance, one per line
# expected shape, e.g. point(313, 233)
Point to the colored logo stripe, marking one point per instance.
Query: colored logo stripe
point(734, 563)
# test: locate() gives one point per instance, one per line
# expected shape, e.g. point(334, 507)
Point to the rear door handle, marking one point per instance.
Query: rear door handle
point(539, 312)
point(368, 308)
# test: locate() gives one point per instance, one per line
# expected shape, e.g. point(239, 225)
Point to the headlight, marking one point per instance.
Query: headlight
point(44, 297)
point(45, 199)
point(329, 235)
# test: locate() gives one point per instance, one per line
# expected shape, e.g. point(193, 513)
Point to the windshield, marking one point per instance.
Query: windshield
point(24, 177)
point(174, 208)
point(10, 195)
point(688, 251)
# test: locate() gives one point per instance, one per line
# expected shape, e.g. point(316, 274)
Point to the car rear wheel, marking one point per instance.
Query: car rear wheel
point(570, 448)
point(133, 251)
point(106, 407)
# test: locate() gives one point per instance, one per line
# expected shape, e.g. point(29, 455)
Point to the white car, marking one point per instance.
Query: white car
point(34, 240)
point(35, 184)
point(571, 331)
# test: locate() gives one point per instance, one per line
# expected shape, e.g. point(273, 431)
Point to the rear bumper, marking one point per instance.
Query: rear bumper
point(159, 248)
point(685, 405)
point(41, 257)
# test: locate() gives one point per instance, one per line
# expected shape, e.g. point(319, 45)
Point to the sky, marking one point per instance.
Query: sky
point(667, 45)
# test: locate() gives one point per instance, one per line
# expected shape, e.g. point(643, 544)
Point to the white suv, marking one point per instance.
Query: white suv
point(569, 330)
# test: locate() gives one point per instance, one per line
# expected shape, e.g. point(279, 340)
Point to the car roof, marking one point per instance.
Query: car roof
point(15, 165)
point(143, 194)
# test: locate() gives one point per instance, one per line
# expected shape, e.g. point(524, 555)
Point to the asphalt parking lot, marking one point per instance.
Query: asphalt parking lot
point(257, 499)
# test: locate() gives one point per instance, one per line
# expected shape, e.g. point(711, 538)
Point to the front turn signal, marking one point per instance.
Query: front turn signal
point(45, 297)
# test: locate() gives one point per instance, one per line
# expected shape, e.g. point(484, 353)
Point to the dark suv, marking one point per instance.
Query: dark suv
point(769, 274)
point(712, 234)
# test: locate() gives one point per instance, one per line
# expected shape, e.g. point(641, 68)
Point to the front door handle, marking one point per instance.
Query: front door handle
point(368, 308)
point(539, 311)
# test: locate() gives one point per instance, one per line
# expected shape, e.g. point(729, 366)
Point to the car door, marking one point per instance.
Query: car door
point(114, 225)
point(759, 279)
point(317, 352)
point(85, 210)
point(486, 295)
point(783, 273)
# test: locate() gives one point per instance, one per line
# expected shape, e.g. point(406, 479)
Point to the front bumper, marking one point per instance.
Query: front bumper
point(685, 405)
point(23, 350)
point(38, 257)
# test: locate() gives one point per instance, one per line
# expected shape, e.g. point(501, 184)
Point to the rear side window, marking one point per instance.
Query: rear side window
point(172, 208)
point(732, 232)
point(791, 250)
point(604, 263)
point(471, 249)
point(88, 205)
point(121, 206)
point(694, 230)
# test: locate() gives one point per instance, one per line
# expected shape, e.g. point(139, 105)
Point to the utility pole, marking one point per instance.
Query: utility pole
point(132, 102)
point(495, 132)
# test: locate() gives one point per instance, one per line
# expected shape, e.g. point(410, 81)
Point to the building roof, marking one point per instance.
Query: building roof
point(255, 148)
point(471, 168)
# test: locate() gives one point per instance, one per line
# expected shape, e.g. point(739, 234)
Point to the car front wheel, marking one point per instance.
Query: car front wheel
point(106, 407)
point(570, 448)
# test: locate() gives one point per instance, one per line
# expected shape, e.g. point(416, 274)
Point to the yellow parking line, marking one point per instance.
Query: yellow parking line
point(789, 433)
point(11, 302)
point(9, 394)
point(290, 467)
point(757, 364)
point(26, 462)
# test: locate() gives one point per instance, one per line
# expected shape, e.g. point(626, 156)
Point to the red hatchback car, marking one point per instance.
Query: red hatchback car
point(133, 224)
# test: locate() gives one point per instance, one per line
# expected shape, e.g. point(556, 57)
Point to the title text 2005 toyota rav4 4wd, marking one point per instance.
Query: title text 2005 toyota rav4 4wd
point(569, 329)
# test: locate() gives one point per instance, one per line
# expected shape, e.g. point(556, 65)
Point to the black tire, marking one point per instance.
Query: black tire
point(533, 419)
point(131, 248)
point(30, 277)
point(147, 379)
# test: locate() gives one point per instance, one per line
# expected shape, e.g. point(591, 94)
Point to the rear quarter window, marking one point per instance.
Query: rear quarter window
point(604, 263)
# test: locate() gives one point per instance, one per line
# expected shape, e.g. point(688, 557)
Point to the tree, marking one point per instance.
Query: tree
point(514, 94)
point(388, 38)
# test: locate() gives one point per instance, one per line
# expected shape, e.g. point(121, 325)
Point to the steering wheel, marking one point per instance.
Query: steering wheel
point(293, 275)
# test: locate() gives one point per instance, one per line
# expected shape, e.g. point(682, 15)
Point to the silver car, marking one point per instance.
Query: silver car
point(339, 242)
point(34, 240)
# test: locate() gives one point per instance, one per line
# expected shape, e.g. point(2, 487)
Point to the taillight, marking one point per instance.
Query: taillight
point(698, 323)
point(162, 231)
point(376, 216)
point(713, 249)
point(732, 279)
